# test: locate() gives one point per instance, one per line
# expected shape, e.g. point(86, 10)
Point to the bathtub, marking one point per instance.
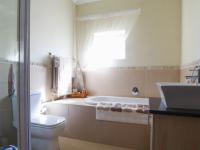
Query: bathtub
point(81, 120)
point(114, 99)
point(121, 116)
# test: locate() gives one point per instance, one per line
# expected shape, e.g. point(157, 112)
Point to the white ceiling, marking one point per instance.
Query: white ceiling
point(79, 2)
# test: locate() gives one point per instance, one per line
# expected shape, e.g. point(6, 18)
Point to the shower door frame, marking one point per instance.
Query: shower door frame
point(24, 134)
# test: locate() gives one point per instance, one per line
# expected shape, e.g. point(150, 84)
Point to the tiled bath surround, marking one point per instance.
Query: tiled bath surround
point(120, 81)
point(81, 124)
point(111, 81)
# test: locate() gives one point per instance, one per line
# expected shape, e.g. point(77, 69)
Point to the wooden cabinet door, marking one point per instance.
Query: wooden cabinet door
point(175, 133)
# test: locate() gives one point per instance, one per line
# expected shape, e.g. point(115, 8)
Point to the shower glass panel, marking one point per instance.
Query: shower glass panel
point(9, 61)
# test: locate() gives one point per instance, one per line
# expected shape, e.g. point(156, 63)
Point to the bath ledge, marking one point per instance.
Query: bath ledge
point(70, 101)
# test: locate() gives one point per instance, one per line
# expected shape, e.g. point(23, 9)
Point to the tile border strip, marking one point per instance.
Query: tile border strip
point(119, 68)
point(39, 65)
point(139, 68)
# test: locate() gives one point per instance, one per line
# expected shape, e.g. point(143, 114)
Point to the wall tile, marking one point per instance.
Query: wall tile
point(115, 82)
point(154, 76)
point(82, 123)
point(184, 72)
point(41, 80)
point(119, 82)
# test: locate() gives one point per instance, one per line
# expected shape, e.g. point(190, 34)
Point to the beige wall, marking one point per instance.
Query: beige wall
point(52, 30)
point(190, 31)
point(156, 37)
point(155, 40)
point(190, 36)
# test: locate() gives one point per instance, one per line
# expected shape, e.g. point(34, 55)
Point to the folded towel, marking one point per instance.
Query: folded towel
point(125, 113)
point(116, 107)
point(142, 109)
point(104, 106)
point(127, 109)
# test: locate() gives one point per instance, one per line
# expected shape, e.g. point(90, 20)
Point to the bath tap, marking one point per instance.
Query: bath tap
point(135, 91)
point(194, 77)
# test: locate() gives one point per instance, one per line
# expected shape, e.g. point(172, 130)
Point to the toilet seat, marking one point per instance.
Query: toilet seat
point(45, 130)
point(47, 121)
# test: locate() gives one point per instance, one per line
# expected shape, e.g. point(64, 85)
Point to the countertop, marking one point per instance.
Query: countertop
point(157, 107)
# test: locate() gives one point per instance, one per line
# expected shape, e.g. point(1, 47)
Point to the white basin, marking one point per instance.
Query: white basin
point(179, 95)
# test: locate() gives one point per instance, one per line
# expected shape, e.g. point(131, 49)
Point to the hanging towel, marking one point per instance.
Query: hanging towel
point(12, 93)
point(78, 81)
point(11, 81)
point(55, 73)
point(61, 76)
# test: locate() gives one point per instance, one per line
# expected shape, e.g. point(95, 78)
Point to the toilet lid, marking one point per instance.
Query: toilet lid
point(47, 120)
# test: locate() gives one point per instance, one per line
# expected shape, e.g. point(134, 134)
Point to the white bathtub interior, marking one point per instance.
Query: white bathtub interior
point(114, 99)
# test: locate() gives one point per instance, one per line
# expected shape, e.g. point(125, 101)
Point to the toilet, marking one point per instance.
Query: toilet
point(45, 129)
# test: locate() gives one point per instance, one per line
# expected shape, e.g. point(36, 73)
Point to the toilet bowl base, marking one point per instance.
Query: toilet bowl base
point(44, 144)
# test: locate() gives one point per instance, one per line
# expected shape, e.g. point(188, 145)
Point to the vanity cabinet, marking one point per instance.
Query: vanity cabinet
point(171, 132)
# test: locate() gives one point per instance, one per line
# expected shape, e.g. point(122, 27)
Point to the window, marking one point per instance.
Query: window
point(106, 47)
point(110, 43)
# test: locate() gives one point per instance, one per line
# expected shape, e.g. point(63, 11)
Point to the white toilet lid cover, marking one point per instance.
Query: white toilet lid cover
point(47, 120)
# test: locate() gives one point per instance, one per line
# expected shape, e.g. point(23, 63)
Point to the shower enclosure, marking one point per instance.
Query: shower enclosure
point(14, 74)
